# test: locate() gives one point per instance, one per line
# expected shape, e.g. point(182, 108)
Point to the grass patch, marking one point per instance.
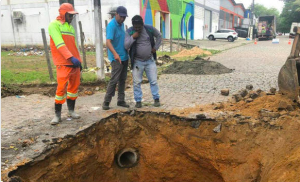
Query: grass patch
point(160, 53)
point(34, 70)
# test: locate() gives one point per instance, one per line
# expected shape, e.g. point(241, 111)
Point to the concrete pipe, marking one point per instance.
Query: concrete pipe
point(127, 158)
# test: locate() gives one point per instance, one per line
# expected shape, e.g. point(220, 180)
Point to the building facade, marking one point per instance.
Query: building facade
point(22, 20)
point(231, 14)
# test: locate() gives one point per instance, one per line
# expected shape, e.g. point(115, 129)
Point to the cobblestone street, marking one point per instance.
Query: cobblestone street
point(258, 65)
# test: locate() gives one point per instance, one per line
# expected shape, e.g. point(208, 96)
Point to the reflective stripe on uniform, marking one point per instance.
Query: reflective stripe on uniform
point(59, 45)
point(67, 33)
point(60, 97)
point(72, 94)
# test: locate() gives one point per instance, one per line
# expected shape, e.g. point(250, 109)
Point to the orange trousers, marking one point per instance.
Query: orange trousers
point(68, 81)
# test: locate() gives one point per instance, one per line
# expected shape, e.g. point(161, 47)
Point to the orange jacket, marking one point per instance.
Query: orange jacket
point(62, 38)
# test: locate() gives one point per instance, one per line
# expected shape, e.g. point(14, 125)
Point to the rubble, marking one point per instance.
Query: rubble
point(225, 92)
point(249, 87)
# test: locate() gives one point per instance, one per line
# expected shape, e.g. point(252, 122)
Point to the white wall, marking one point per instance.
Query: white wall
point(200, 6)
point(215, 21)
point(198, 22)
point(38, 14)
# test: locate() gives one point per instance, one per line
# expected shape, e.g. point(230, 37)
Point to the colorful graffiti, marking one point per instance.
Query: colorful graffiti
point(187, 21)
point(181, 13)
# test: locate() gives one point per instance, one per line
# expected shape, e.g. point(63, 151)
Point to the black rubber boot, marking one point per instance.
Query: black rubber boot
point(122, 104)
point(71, 107)
point(105, 106)
point(138, 104)
point(57, 117)
point(156, 103)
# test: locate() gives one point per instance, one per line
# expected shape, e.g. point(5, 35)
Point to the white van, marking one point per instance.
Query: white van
point(292, 33)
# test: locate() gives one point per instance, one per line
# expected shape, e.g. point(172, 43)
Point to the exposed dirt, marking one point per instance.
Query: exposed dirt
point(47, 89)
point(50, 89)
point(197, 67)
point(171, 150)
point(195, 51)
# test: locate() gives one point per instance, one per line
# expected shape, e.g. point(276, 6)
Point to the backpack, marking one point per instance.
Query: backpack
point(132, 50)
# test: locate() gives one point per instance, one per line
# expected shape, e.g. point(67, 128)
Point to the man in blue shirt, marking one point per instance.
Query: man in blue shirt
point(118, 56)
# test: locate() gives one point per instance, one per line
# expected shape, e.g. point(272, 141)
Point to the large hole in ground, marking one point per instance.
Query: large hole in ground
point(162, 147)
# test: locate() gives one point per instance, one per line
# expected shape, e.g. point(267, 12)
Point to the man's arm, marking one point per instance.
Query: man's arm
point(157, 35)
point(110, 32)
point(128, 41)
point(113, 51)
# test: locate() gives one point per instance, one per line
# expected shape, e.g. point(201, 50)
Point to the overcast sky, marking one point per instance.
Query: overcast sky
point(267, 3)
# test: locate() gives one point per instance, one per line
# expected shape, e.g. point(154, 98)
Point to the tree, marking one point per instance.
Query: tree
point(290, 13)
point(261, 10)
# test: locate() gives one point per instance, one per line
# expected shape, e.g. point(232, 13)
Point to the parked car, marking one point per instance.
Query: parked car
point(242, 33)
point(228, 34)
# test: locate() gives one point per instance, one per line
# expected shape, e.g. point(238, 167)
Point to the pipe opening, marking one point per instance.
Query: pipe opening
point(127, 158)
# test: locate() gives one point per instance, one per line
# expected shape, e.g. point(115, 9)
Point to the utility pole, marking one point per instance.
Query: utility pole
point(253, 20)
point(99, 40)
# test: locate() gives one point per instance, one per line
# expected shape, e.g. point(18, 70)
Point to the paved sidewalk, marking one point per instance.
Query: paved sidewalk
point(29, 117)
point(218, 44)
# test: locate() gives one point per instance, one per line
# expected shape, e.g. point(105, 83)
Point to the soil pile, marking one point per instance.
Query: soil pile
point(166, 59)
point(195, 51)
point(197, 67)
point(8, 90)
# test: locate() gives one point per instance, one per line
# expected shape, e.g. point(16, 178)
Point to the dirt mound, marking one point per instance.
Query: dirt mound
point(166, 59)
point(9, 90)
point(197, 67)
point(195, 51)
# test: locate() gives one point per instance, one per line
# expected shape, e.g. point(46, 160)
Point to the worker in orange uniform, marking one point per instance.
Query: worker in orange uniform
point(67, 60)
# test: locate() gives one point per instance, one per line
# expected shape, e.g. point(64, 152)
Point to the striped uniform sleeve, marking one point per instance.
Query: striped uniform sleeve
point(58, 40)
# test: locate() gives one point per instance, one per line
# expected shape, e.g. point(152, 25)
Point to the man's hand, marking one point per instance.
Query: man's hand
point(75, 61)
point(117, 58)
point(136, 35)
point(153, 50)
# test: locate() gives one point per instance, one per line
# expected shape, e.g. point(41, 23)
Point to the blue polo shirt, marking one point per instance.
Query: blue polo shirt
point(116, 33)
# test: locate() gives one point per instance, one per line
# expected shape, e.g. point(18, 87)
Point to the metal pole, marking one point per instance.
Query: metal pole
point(178, 37)
point(106, 23)
point(171, 36)
point(82, 45)
point(99, 39)
point(47, 54)
point(186, 35)
point(253, 20)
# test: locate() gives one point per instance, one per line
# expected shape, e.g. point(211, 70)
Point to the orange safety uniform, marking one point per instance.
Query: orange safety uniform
point(63, 46)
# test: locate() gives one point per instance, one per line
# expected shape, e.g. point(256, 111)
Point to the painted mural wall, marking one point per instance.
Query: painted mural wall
point(181, 13)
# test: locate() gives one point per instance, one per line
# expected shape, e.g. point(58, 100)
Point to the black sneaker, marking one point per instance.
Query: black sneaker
point(138, 104)
point(156, 103)
point(122, 104)
point(105, 106)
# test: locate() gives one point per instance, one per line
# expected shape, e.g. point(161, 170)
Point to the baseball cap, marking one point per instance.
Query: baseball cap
point(122, 11)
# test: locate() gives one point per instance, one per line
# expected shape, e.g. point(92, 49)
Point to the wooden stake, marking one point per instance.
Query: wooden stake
point(82, 45)
point(47, 54)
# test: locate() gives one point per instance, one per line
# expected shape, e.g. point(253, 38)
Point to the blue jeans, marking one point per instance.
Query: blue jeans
point(149, 67)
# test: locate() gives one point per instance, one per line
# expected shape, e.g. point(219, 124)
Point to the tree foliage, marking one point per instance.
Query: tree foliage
point(261, 10)
point(289, 14)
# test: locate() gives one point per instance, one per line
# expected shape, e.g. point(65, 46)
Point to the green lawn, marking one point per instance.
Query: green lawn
point(33, 69)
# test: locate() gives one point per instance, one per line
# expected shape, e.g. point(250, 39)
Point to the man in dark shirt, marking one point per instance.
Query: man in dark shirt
point(139, 39)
